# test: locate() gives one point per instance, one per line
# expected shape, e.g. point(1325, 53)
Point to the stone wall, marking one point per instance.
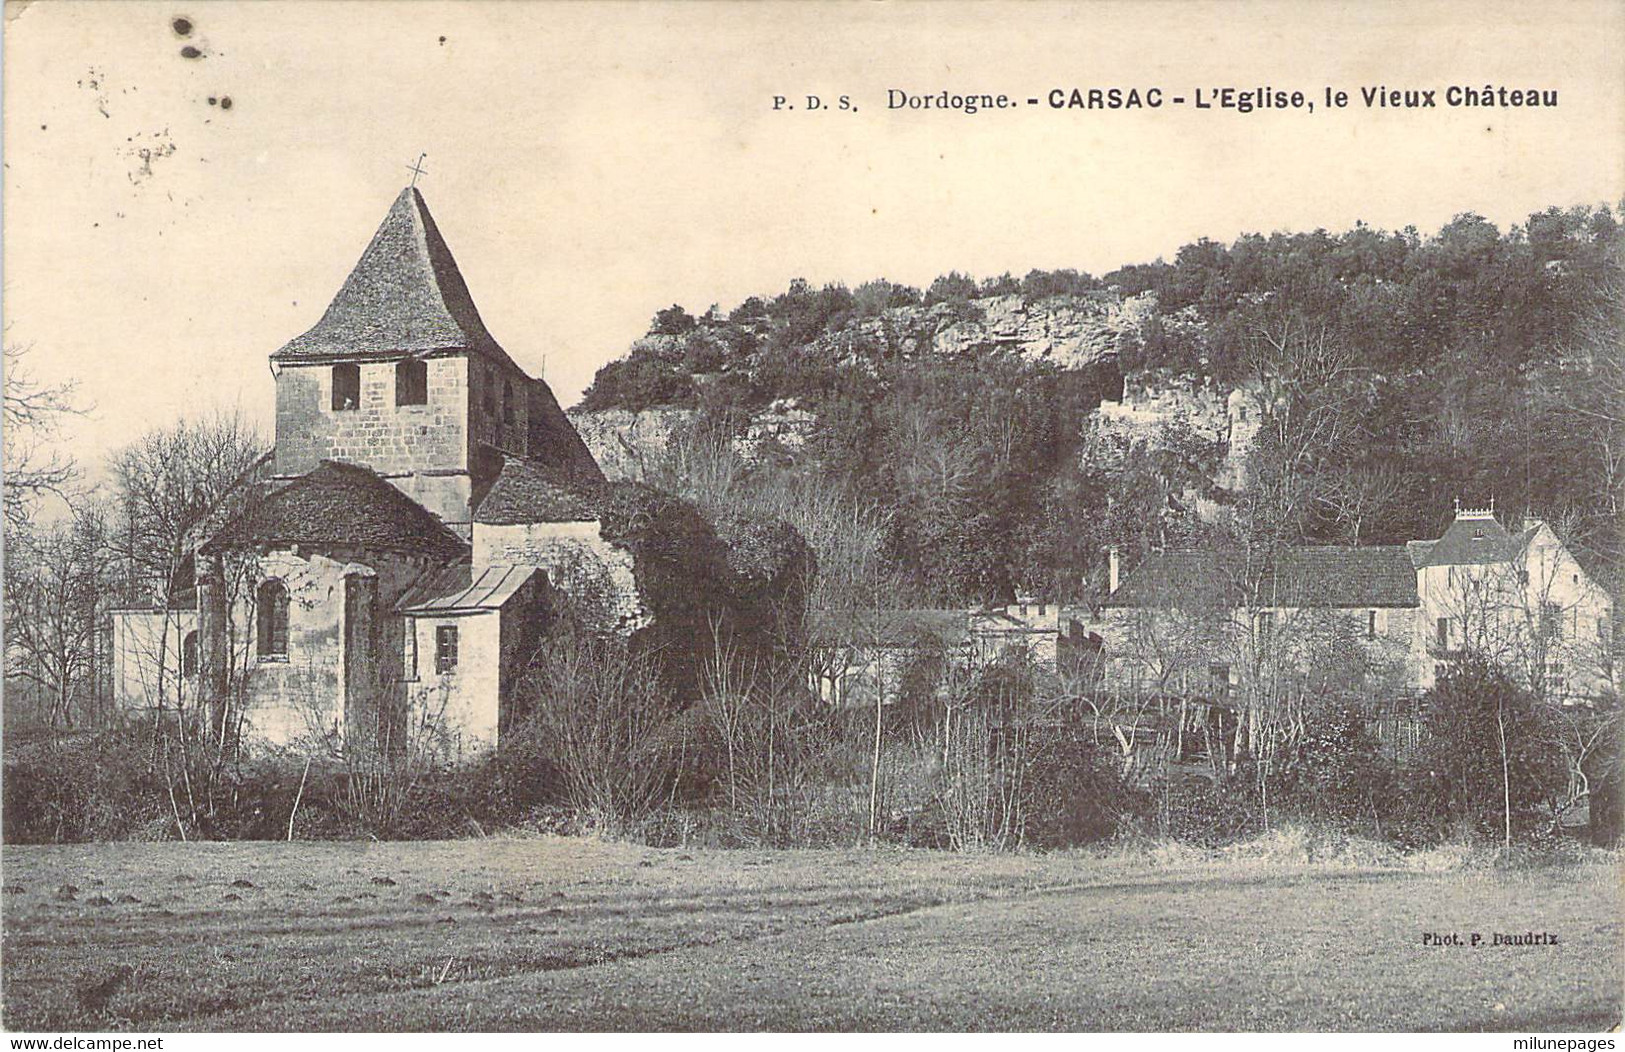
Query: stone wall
point(583, 566)
point(422, 449)
point(455, 712)
point(498, 407)
point(301, 696)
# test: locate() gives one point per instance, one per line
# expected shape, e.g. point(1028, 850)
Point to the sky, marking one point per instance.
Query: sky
point(590, 163)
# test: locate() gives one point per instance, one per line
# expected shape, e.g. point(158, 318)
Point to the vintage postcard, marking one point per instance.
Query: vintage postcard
point(739, 517)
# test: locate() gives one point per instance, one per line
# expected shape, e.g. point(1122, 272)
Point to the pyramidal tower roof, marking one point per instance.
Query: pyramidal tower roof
point(404, 295)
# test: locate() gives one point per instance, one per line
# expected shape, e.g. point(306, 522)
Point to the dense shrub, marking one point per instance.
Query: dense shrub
point(1495, 752)
point(1213, 813)
point(87, 787)
point(1335, 775)
point(1078, 794)
point(1411, 810)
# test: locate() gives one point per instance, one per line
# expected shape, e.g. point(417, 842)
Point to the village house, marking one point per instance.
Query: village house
point(860, 653)
point(425, 504)
point(1521, 599)
point(1382, 621)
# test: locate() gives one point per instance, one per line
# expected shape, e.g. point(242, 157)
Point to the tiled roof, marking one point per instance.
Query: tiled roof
point(888, 628)
point(458, 589)
point(1471, 542)
point(405, 295)
point(530, 491)
point(1319, 577)
point(339, 504)
point(1418, 551)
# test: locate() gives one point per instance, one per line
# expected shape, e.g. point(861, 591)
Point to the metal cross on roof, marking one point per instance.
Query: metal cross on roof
point(417, 168)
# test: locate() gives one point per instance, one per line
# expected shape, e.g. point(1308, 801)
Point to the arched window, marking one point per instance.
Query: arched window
point(272, 619)
point(507, 401)
point(189, 655)
point(346, 386)
point(412, 382)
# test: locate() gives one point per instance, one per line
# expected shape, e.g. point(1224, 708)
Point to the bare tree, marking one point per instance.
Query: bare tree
point(1359, 496)
point(174, 486)
point(609, 725)
point(57, 593)
point(1311, 390)
point(174, 480)
point(33, 414)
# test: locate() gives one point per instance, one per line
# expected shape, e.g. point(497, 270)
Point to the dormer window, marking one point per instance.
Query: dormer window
point(346, 386)
point(1478, 533)
point(412, 382)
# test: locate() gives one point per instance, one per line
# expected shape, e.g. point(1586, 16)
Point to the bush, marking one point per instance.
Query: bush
point(1213, 813)
point(673, 321)
point(1412, 810)
point(610, 727)
point(1495, 751)
point(88, 787)
point(1079, 795)
point(1335, 776)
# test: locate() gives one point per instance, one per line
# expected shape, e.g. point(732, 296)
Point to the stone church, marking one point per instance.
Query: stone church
point(425, 501)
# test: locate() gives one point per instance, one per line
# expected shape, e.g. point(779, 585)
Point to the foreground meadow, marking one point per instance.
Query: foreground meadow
point(588, 935)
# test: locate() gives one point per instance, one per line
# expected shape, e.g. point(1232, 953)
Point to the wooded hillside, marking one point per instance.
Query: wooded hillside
point(1397, 371)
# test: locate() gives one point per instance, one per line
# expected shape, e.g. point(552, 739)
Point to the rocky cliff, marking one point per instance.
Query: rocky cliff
point(629, 445)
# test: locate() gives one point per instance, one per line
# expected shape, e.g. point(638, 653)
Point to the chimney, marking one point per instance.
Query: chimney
point(1112, 567)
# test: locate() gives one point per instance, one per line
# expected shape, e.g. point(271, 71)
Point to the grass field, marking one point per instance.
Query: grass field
point(585, 935)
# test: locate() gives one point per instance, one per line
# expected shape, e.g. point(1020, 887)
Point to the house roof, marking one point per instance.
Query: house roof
point(1472, 541)
point(341, 505)
point(888, 628)
point(1332, 577)
point(532, 491)
point(404, 296)
point(458, 589)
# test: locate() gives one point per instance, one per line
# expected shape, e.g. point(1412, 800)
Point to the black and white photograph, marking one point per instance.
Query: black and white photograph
point(735, 517)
